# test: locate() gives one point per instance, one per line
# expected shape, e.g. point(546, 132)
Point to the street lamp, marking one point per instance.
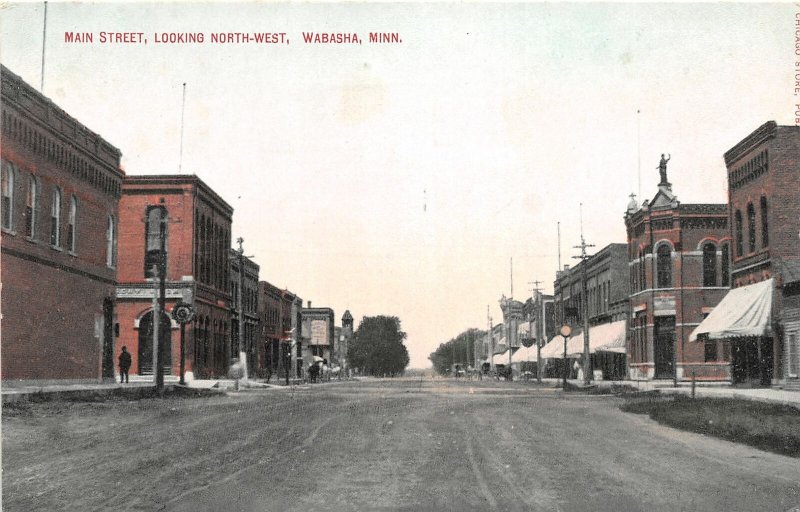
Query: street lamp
point(565, 331)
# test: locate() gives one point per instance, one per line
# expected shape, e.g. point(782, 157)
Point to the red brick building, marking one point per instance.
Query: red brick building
point(61, 185)
point(278, 312)
point(760, 318)
point(198, 240)
point(678, 264)
point(244, 308)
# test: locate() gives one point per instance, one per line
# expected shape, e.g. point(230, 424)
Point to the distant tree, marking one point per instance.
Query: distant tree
point(459, 350)
point(377, 347)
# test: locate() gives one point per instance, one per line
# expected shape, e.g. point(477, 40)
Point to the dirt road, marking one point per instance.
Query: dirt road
point(380, 445)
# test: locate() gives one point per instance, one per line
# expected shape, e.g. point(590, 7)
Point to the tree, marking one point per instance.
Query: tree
point(459, 350)
point(377, 347)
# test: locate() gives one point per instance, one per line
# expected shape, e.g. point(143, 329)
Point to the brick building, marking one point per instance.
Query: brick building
point(278, 312)
point(607, 290)
point(244, 309)
point(61, 185)
point(678, 272)
point(198, 239)
point(759, 320)
point(317, 335)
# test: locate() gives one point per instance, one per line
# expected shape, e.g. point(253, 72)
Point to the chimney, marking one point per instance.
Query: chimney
point(309, 304)
point(566, 267)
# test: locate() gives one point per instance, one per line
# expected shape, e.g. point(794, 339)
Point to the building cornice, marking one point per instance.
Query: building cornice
point(763, 133)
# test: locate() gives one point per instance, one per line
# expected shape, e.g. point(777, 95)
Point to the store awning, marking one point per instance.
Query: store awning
point(554, 349)
point(500, 358)
point(524, 354)
point(743, 311)
point(608, 337)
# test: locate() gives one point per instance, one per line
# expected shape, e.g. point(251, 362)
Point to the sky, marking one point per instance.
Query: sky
point(402, 179)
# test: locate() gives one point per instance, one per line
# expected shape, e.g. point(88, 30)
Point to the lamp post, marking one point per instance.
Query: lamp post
point(565, 331)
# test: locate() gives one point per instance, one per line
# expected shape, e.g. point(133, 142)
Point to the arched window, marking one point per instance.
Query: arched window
point(111, 242)
point(738, 234)
point(709, 265)
point(725, 263)
point(764, 223)
point(751, 228)
point(155, 233)
point(31, 207)
point(71, 226)
point(8, 197)
point(664, 265)
point(55, 219)
point(642, 271)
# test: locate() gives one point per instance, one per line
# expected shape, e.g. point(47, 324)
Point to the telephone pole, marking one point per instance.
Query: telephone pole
point(585, 304)
point(536, 298)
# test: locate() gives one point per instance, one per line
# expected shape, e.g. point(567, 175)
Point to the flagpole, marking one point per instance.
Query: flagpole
point(44, 45)
point(183, 109)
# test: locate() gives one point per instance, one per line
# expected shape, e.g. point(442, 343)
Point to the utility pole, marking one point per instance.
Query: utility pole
point(536, 299)
point(162, 292)
point(240, 318)
point(491, 339)
point(585, 304)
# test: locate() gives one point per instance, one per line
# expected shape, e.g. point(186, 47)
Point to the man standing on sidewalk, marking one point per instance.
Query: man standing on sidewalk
point(124, 365)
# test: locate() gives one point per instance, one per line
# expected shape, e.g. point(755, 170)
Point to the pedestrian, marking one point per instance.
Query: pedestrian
point(124, 364)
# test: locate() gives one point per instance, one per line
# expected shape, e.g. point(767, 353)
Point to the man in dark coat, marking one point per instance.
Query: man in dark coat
point(124, 364)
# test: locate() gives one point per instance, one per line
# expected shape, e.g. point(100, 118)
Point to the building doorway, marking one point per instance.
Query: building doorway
point(146, 343)
point(108, 338)
point(663, 346)
point(751, 361)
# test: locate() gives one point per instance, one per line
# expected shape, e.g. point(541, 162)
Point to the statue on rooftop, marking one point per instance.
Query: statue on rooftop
point(662, 169)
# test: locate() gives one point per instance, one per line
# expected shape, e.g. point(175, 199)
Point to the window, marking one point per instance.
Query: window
point(710, 351)
point(31, 206)
point(726, 265)
point(55, 219)
point(73, 213)
point(156, 221)
point(664, 264)
point(751, 228)
point(738, 234)
point(111, 242)
point(709, 265)
point(793, 346)
point(764, 223)
point(8, 197)
point(642, 271)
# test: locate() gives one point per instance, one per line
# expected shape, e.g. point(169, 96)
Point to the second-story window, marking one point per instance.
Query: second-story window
point(642, 271)
point(738, 234)
point(55, 219)
point(31, 207)
point(725, 264)
point(8, 197)
point(155, 233)
point(111, 242)
point(71, 225)
point(664, 266)
point(709, 265)
point(751, 228)
point(764, 223)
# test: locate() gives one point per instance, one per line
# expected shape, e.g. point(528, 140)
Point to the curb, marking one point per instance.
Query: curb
point(91, 395)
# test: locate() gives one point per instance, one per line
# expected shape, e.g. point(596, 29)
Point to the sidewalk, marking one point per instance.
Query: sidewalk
point(12, 392)
point(704, 390)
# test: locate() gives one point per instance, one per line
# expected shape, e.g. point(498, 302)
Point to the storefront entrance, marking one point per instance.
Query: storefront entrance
point(751, 361)
point(146, 344)
point(664, 344)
